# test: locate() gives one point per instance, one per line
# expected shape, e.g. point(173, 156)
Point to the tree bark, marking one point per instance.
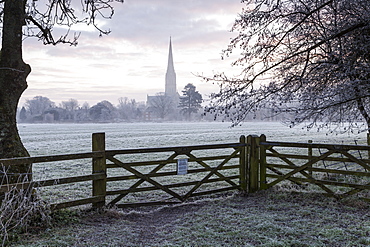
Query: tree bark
point(13, 74)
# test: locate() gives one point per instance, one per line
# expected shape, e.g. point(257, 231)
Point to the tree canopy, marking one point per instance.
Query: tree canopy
point(41, 18)
point(306, 59)
point(190, 101)
point(34, 18)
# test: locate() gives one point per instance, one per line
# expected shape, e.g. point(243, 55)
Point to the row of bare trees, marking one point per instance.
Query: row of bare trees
point(42, 109)
point(161, 106)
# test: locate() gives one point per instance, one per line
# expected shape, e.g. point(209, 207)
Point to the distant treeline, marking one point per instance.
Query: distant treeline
point(41, 109)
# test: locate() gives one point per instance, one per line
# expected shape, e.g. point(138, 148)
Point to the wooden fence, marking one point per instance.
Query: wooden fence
point(175, 174)
point(336, 170)
point(212, 169)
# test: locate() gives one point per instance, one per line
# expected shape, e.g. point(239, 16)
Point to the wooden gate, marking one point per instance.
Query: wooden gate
point(154, 176)
point(337, 170)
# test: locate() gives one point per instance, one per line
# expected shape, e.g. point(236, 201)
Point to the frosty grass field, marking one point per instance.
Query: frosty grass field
point(268, 218)
point(52, 139)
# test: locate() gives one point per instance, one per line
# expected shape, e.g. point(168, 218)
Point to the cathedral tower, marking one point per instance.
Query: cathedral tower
point(170, 87)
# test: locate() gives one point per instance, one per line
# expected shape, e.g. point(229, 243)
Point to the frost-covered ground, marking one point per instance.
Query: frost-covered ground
point(268, 218)
point(52, 139)
point(48, 139)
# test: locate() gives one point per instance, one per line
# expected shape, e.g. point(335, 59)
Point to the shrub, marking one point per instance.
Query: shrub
point(22, 211)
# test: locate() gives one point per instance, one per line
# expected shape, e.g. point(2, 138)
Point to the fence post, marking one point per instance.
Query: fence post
point(99, 166)
point(243, 165)
point(253, 169)
point(263, 181)
point(310, 156)
point(368, 143)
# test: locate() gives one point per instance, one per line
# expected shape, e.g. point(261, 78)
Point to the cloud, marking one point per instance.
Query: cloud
point(150, 22)
point(132, 60)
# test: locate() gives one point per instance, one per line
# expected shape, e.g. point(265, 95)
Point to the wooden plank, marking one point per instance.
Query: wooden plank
point(355, 191)
point(183, 184)
point(310, 154)
point(159, 162)
point(301, 168)
point(243, 165)
point(305, 157)
point(328, 182)
point(50, 158)
point(144, 163)
point(165, 174)
point(214, 170)
point(208, 192)
point(323, 170)
point(276, 171)
point(51, 182)
point(316, 145)
point(142, 180)
point(94, 199)
point(160, 203)
point(262, 177)
point(355, 160)
point(98, 167)
point(142, 204)
point(205, 165)
point(146, 178)
point(178, 149)
point(254, 156)
point(310, 162)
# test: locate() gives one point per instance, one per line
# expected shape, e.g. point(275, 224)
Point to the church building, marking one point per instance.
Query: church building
point(170, 86)
point(165, 103)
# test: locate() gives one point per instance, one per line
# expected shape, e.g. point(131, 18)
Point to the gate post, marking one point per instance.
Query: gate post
point(310, 156)
point(243, 165)
point(99, 166)
point(253, 169)
point(368, 143)
point(263, 181)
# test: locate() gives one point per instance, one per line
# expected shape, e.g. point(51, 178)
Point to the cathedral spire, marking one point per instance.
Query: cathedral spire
point(170, 87)
point(170, 66)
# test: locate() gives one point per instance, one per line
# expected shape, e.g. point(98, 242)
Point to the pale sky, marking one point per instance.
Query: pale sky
point(131, 61)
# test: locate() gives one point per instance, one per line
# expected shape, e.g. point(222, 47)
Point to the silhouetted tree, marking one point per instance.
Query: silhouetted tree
point(190, 101)
point(70, 106)
point(309, 59)
point(23, 114)
point(128, 108)
point(161, 104)
point(102, 112)
point(38, 105)
point(37, 19)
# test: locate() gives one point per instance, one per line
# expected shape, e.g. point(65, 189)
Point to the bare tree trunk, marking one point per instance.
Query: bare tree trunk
point(13, 74)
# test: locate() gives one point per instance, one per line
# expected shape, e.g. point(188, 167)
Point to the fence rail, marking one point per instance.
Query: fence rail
point(249, 165)
point(337, 170)
point(101, 178)
point(158, 172)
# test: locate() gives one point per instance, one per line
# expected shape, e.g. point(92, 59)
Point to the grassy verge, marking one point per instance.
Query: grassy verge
point(269, 218)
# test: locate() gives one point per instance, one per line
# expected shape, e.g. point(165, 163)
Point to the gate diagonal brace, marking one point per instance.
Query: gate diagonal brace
point(286, 160)
point(301, 168)
point(354, 159)
point(213, 171)
point(352, 192)
point(209, 168)
point(145, 178)
point(138, 183)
